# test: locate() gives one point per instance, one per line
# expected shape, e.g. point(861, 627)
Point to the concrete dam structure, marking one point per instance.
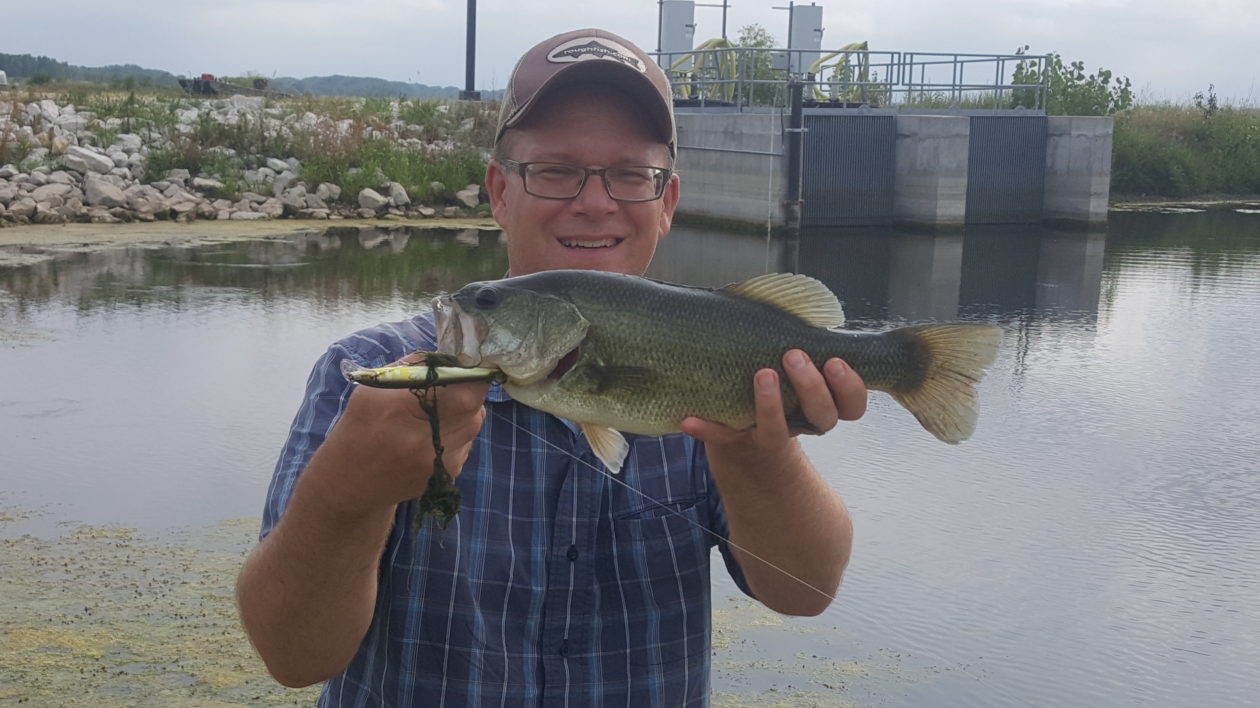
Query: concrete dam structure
point(869, 166)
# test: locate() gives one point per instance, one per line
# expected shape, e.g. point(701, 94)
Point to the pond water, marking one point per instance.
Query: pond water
point(1096, 543)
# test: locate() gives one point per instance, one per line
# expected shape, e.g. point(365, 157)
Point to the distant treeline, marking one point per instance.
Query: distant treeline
point(43, 70)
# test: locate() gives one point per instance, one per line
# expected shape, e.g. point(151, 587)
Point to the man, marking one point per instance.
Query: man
point(553, 585)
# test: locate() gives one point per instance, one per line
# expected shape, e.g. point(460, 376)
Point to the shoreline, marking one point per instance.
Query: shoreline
point(81, 234)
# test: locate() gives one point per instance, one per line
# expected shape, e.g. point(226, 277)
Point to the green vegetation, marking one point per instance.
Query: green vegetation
point(1180, 152)
point(1071, 92)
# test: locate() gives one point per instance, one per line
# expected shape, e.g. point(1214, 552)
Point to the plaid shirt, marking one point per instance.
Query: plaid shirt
point(553, 586)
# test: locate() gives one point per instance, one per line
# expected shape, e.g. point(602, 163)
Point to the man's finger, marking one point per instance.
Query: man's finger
point(817, 403)
point(771, 423)
point(847, 389)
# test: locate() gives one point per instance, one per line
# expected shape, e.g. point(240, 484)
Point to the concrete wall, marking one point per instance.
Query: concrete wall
point(732, 169)
point(931, 175)
point(1078, 168)
point(723, 175)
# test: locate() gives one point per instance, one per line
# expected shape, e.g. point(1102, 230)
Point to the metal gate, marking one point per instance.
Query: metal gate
point(1006, 169)
point(848, 166)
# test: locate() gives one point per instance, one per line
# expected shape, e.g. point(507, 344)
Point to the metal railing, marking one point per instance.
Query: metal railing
point(852, 76)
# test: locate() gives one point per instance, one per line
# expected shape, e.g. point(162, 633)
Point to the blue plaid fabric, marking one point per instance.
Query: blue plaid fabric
point(553, 586)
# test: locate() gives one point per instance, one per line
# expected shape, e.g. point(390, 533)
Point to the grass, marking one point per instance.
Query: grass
point(1179, 151)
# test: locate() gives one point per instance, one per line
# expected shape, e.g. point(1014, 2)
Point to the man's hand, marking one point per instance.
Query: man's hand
point(836, 393)
point(383, 447)
point(789, 530)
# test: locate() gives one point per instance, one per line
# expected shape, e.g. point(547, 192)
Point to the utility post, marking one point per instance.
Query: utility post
point(470, 57)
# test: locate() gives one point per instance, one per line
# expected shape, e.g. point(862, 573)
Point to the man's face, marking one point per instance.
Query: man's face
point(591, 231)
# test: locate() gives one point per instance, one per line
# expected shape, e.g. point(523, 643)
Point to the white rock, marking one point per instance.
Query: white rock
point(83, 160)
point(272, 208)
point(48, 191)
point(206, 184)
point(371, 199)
point(49, 109)
point(118, 157)
point(398, 195)
point(62, 177)
point(129, 142)
point(8, 192)
point(178, 175)
point(469, 197)
point(101, 193)
point(250, 104)
point(283, 180)
point(277, 166)
point(9, 170)
point(24, 206)
point(328, 192)
point(247, 216)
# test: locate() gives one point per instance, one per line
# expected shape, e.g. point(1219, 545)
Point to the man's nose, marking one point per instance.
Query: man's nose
point(594, 196)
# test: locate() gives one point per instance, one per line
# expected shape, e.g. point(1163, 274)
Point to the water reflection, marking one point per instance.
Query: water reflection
point(1096, 543)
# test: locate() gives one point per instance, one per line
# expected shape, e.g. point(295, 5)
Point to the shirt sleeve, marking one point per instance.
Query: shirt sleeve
point(324, 400)
point(718, 524)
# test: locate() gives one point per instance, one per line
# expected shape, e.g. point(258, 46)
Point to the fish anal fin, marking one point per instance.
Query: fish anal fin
point(795, 294)
point(944, 402)
point(609, 445)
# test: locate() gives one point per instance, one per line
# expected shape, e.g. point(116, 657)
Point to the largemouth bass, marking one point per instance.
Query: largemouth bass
point(616, 352)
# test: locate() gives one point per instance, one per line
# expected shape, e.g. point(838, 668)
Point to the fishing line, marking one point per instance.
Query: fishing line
point(714, 534)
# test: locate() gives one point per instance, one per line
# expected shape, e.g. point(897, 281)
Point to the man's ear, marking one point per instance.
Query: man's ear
point(496, 186)
point(669, 202)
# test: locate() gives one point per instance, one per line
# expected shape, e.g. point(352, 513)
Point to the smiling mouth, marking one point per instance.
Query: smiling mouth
point(592, 244)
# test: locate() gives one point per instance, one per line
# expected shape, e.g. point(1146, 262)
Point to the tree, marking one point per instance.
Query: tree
point(1070, 91)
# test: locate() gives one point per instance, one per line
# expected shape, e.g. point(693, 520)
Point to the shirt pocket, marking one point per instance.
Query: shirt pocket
point(662, 560)
point(658, 481)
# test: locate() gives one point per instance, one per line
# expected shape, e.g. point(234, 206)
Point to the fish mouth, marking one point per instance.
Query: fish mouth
point(590, 243)
point(458, 335)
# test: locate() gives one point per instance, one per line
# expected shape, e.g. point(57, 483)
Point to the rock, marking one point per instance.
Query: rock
point(439, 191)
point(397, 195)
point(49, 109)
point(221, 204)
point(83, 161)
point(426, 212)
point(101, 215)
point(11, 170)
point(129, 142)
point(178, 175)
point(277, 166)
point(144, 199)
point(272, 208)
point(206, 184)
point(314, 202)
point(366, 213)
point(48, 191)
point(8, 192)
point(283, 180)
point(205, 210)
point(121, 213)
point(101, 193)
point(249, 104)
point(118, 157)
point(253, 197)
point(247, 216)
point(62, 177)
point(223, 214)
point(328, 192)
point(320, 214)
point(58, 145)
point(451, 213)
point(370, 199)
point(469, 196)
point(23, 207)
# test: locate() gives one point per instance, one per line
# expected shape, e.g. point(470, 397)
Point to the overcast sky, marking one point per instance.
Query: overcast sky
point(1169, 48)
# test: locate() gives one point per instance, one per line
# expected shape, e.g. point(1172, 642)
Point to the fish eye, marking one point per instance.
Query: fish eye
point(487, 298)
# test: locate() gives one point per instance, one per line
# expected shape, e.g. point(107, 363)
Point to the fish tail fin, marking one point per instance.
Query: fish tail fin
point(955, 356)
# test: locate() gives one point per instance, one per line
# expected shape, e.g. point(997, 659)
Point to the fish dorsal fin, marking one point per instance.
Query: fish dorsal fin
point(608, 445)
point(794, 293)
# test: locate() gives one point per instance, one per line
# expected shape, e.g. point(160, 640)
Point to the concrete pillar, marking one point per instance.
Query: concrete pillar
point(931, 171)
point(1078, 168)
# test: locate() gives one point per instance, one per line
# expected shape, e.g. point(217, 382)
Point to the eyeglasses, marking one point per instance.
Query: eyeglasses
point(556, 180)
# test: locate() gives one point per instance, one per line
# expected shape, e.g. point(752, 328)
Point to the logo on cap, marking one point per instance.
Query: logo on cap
point(588, 48)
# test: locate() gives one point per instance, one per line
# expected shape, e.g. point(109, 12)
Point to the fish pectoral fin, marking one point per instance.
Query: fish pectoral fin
point(609, 445)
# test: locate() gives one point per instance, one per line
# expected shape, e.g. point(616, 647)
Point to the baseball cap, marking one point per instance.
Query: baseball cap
point(589, 55)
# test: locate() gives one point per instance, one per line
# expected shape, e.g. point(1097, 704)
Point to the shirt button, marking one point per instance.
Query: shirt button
point(564, 648)
point(573, 553)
